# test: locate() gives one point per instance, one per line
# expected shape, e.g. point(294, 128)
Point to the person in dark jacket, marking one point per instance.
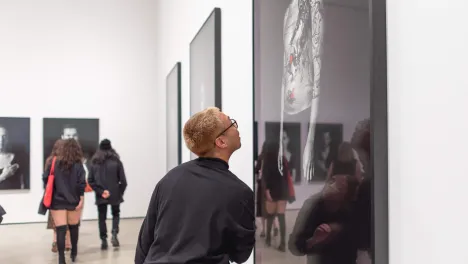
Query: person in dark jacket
point(200, 212)
point(345, 163)
point(276, 192)
point(68, 194)
point(2, 213)
point(50, 221)
point(324, 229)
point(107, 179)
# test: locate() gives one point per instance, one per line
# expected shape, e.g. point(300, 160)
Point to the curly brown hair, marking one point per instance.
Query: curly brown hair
point(69, 153)
point(54, 152)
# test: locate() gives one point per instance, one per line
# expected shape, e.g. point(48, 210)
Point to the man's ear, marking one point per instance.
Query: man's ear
point(220, 142)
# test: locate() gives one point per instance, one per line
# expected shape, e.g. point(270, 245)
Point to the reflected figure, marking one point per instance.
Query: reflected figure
point(289, 155)
point(276, 192)
point(303, 41)
point(324, 229)
point(2, 213)
point(11, 176)
point(260, 195)
point(346, 163)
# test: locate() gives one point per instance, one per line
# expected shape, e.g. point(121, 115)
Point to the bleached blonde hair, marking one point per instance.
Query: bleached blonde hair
point(201, 129)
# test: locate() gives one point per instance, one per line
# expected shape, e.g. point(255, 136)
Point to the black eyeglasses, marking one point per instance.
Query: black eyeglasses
point(233, 124)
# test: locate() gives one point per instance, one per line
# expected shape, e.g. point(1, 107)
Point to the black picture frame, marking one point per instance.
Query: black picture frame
point(195, 65)
point(88, 131)
point(378, 124)
point(335, 131)
point(379, 132)
point(15, 133)
point(174, 98)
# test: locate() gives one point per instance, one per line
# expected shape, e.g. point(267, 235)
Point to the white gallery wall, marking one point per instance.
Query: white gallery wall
point(85, 59)
point(178, 21)
point(427, 104)
point(345, 93)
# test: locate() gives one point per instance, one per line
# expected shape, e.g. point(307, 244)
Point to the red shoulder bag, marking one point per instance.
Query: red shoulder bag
point(49, 191)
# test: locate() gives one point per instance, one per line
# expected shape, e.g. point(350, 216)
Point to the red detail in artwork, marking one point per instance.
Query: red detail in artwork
point(291, 57)
point(291, 95)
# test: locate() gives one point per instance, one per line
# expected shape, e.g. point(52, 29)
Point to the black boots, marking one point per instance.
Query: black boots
point(114, 240)
point(74, 231)
point(282, 227)
point(104, 243)
point(269, 220)
point(61, 234)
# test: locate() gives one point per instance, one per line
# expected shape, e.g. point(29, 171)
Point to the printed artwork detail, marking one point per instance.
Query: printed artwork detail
point(302, 42)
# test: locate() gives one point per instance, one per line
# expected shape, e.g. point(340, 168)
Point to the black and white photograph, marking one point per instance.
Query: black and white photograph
point(328, 138)
point(291, 140)
point(320, 63)
point(85, 131)
point(14, 153)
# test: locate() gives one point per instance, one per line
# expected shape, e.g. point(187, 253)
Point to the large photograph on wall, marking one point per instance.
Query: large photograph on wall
point(84, 130)
point(14, 153)
point(205, 65)
point(320, 99)
point(327, 140)
point(173, 117)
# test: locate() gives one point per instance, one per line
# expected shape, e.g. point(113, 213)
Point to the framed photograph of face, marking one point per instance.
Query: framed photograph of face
point(84, 130)
point(14, 153)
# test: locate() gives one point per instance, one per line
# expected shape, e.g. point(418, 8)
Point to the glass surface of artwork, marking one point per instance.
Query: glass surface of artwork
point(313, 89)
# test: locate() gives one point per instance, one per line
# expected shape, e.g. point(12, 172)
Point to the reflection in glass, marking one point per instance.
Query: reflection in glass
point(312, 109)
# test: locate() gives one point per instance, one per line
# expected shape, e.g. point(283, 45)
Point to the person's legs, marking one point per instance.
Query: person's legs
point(67, 241)
point(115, 209)
point(262, 233)
point(102, 216)
point(271, 210)
point(60, 221)
point(73, 226)
point(280, 210)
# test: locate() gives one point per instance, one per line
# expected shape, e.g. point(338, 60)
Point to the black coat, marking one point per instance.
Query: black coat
point(69, 185)
point(109, 176)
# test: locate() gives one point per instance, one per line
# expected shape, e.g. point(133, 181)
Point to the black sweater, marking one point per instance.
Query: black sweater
point(69, 186)
point(109, 176)
point(199, 213)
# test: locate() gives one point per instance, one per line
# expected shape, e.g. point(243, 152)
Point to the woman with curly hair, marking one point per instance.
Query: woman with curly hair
point(68, 195)
point(50, 221)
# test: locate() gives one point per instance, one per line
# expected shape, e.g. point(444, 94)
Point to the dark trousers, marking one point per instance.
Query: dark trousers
point(102, 210)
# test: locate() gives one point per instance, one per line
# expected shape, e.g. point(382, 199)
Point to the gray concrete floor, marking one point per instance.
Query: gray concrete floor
point(31, 243)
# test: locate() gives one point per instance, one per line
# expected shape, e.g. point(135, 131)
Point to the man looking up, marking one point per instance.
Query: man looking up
point(200, 212)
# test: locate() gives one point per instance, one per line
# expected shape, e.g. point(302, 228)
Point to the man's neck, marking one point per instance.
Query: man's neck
point(218, 156)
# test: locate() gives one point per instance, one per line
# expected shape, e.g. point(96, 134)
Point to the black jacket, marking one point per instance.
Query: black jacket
point(199, 213)
point(109, 176)
point(341, 249)
point(69, 186)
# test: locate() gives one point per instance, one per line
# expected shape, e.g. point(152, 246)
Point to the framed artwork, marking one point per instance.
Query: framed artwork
point(84, 130)
point(205, 66)
point(173, 117)
point(291, 140)
point(14, 153)
point(328, 138)
point(324, 62)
